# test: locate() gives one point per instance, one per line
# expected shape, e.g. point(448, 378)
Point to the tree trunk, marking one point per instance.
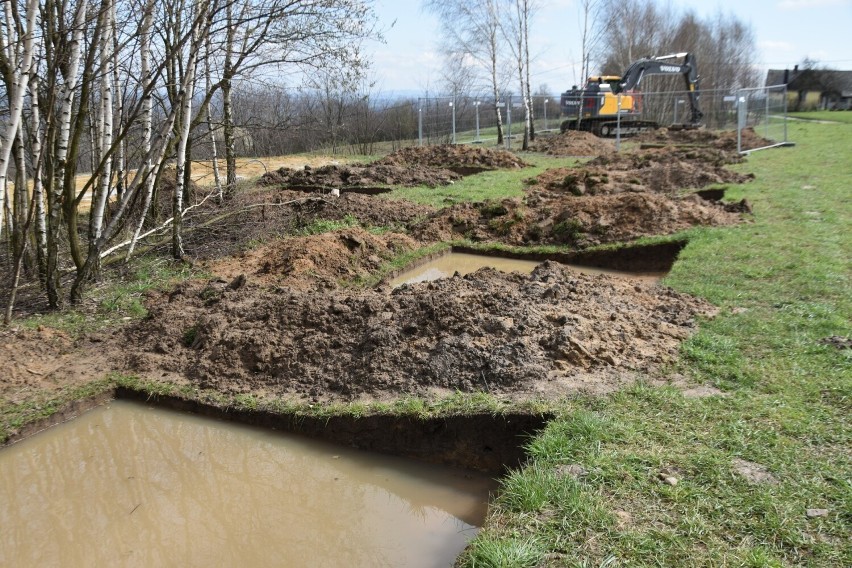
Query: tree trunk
point(147, 112)
point(227, 108)
point(54, 198)
point(38, 187)
point(217, 179)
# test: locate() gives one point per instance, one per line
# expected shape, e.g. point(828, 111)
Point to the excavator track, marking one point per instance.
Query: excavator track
point(609, 128)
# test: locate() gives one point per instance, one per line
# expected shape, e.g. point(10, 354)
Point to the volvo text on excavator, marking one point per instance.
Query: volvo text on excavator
point(596, 108)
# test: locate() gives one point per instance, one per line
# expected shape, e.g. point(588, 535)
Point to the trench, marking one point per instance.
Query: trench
point(148, 483)
point(322, 189)
point(648, 263)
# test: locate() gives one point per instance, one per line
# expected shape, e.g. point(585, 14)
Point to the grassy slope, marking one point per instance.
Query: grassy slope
point(783, 283)
point(498, 184)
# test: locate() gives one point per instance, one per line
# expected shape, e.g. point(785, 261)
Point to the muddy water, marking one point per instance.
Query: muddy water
point(130, 485)
point(465, 263)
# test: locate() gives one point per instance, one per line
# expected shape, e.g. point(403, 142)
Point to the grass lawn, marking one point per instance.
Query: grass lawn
point(649, 477)
point(833, 116)
point(494, 185)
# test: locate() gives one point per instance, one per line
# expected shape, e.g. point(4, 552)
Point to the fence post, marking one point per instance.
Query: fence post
point(476, 106)
point(766, 114)
point(453, 106)
point(785, 112)
point(509, 122)
point(419, 121)
point(741, 120)
point(618, 126)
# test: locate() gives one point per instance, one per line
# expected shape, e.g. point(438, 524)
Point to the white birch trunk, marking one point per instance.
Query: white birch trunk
point(99, 199)
point(217, 179)
point(147, 107)
point(187, 92)
point(16, 93)
point(38, 164)
point(66, 97)
point(118, 113)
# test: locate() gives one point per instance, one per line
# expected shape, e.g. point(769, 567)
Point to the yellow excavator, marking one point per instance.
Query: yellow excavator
point(596, 108)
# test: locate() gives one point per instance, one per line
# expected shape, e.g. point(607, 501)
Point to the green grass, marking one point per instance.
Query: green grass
point(491, 185)
point(119, 297)
point(834, 116)
point(782, 284)
point(14, 415)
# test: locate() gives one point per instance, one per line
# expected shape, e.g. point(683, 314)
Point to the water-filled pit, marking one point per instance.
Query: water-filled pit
point(646, 263)
point(129, 484)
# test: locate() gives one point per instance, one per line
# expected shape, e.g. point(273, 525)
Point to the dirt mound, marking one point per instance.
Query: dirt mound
point(577, 221)
point(314, 261)
point(214, 232)
point(358, 175)
point(45, 360)
point(553, 331)
point(453, 156)
point(573, 143)
point(723, 140)
point(662, 170)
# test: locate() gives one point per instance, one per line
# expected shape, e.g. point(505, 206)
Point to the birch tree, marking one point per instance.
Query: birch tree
point(17, 49)
point(472, 27)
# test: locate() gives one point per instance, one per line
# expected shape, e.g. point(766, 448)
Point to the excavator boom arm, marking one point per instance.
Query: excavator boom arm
point(662, 65)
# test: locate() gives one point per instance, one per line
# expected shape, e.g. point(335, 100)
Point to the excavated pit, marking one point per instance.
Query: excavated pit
point(140, 482)
point(484, 442)
point(644, 262)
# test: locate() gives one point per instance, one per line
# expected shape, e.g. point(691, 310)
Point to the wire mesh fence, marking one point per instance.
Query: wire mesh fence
point(471, 120)
point(764, 110)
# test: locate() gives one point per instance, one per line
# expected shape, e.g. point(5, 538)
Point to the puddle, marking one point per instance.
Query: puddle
point(127, 484)
point(464, 263)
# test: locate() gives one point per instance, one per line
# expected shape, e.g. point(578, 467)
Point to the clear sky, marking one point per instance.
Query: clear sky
point(786, 32)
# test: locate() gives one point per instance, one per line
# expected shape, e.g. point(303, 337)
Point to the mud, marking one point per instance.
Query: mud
point(726, 140)
point(46, 360)
point(454, 156)
point(660, 170)
point(573, 143)
point(554, 331)
point(316, 261)
point(552, 218)
point(428, 165)
point(356, 175)
point(280, 315)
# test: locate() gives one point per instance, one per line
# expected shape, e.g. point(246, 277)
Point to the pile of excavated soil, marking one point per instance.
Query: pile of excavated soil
point(554, 331)
point(448, 155)
point(724, 140)
point(659, 170)
point(573, 143)
point(315, 261)
point(417, 165)
point(358, 175)
point(213, 232)
point(577, 221)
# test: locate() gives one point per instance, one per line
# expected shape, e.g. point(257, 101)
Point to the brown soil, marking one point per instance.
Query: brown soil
point(215, 232)
point(359, 175)
point(417, 165)
point(276, 318)
point(661, 170)
point(447, 155)
point(35, 361)
point(554, 331)
point(579, 221)
point(573, 143)
point(317, 261)
point(726, 140)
